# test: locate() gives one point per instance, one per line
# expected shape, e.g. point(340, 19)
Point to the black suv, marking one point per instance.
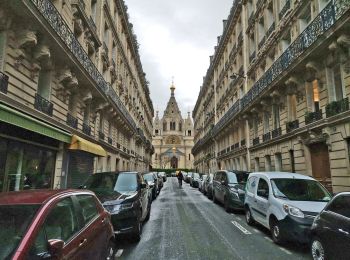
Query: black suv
point(126, 196)
point(228, 188)
point(330, 232)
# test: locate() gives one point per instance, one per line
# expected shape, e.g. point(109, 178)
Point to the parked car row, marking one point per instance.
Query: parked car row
point(294, 207)
point(77, 224)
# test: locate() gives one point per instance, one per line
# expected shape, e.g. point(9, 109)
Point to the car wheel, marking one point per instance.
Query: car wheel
point(317, 249)
point(110, 251)
point(149, 212)
point(214, 198)
point(138, 232)
point(226, 205)
point(248, 216)
point(276, 231)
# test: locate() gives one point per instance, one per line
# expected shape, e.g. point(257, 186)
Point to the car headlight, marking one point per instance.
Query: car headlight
point(293, 211)
point(234, 193)
point(118, 207)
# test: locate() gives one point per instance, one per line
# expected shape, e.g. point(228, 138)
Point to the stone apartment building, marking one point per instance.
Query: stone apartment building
point(276, 94)
point(73, 95)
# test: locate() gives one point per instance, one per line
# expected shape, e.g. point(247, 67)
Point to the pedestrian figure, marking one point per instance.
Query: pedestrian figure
point(180, 178)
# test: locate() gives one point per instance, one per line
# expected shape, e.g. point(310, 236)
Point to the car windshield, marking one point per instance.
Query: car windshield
point(14, 221)
point(242, 177)
point(110, 182)
point(204, 177)
point(148, 177)
point(299, 189)
point(195, 175)
point(232, 178)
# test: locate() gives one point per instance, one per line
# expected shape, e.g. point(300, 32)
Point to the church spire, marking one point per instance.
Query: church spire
point(172, 88)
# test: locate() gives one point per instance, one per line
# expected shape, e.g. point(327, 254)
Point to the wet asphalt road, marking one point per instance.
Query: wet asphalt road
point(184, 224)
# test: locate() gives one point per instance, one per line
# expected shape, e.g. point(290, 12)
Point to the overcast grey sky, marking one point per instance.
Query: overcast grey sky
point(176, 39)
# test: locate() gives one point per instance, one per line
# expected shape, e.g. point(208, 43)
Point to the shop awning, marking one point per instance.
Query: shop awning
point(79, 143)
point(14, 117)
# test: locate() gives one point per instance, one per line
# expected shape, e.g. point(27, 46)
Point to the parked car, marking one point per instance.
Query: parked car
point(160, 181)
point(194, 181)
point(188, 177)
point(127, 198)
point(163, 175)
point(201, 182)
point(208, 186)
point(152, 181)
point(285, 203)
point(228, 188)
point(330, 231)
point(54, 224)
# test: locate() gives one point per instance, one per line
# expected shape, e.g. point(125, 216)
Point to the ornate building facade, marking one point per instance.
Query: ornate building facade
point(276, 94)
point(172, 138)
point(73, 95)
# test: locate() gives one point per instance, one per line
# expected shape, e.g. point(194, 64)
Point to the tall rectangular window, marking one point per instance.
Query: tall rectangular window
point(276, 116)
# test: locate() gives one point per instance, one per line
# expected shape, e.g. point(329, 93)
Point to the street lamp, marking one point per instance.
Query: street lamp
point(236, 75)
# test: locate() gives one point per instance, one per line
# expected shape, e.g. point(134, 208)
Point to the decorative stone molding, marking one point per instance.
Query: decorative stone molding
point(312, 71)
point(26, 39)
point(42, 53)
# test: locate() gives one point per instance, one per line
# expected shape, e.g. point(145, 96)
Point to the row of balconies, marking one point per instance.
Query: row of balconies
point(232, 148)
point(324, 21)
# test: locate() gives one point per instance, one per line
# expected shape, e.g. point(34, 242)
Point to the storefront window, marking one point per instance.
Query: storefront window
point(25, 166)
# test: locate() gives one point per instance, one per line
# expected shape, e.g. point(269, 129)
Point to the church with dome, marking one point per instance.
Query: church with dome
point(172, 138)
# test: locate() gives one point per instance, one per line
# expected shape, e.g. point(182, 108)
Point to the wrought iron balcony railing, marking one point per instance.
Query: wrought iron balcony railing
point(4, 79)
point(43, 105)
point(101, 135)
point(256, 141)
point(72, 121)
point(86, 129)
point(284, 9)
point(337, 107)
point(311, 117)
point(58, 24)
point(251, 19)
point(240, 37)
point(276, 132)
point(290, 126)
point(234, 109)
point(236, 145)
point(228, 149)
point(334, 10)
point(92, 23)
point(266, 137)
point(110, 140)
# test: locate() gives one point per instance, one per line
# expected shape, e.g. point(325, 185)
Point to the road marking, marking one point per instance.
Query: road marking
point(269, 239)
point(119, 253)
point(286, 251)
point(241, 228)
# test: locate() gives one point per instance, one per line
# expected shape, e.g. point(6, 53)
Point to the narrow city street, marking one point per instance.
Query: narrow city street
point(185, 224)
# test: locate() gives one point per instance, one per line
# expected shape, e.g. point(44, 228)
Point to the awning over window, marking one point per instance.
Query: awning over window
point(79, 143)
point(14, 117)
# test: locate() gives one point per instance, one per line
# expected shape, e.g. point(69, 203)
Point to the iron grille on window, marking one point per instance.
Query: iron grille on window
point(256, 141)
point(337, 107)
point(290, 126)
point(86, 129)
point(276, 132)
point(311, 117)
point(4, 79)
point(266, 137)
point(110, 140)
point(72, 121)
point(43, 105)
point(101, 135)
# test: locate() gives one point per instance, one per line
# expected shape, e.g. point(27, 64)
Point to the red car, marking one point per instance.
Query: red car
point(54, 224)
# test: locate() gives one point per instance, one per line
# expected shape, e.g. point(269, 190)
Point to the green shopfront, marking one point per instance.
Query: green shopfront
point(28, 151)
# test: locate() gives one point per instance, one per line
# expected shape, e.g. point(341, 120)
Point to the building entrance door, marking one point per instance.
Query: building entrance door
point(321, 169)
point(174, 162)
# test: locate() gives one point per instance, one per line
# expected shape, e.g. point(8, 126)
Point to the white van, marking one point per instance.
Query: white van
point(286, 203)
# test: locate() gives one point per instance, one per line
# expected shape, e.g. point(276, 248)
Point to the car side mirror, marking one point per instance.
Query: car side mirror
point(143, 185)
point(56, 248)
